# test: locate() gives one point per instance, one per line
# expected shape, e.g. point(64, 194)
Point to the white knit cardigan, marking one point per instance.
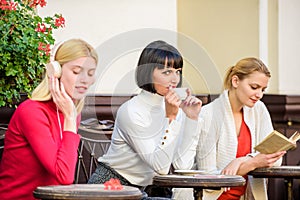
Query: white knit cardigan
point(218, 142)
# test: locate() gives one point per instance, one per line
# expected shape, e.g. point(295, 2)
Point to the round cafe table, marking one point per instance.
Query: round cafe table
point(86, 191)
point(198, 182)
point(288, 173)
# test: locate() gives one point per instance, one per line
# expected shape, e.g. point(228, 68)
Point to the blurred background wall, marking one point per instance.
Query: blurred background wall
point(211, 34)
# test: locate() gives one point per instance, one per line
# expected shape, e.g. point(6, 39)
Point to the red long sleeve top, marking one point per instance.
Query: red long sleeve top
point(244, 148)
point(34, 152)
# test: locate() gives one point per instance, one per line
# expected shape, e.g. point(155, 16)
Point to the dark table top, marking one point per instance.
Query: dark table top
point(277, 172)
point(86, 191)
point(96, 134)
point(198, 180)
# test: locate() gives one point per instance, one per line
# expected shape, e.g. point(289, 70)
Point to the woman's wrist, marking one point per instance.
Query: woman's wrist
point(171, 118)
point(193, 117)
point(70, 124)
point(249, 163)
point(70, 118)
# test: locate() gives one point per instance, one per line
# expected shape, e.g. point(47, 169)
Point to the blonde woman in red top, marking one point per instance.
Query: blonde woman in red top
point(240, 122)
point(41, 140)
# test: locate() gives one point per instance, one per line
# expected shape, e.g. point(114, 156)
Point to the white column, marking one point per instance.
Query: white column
point(263, 31)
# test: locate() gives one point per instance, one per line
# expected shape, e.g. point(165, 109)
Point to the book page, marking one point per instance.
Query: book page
point(295, 137)
point(274, 142)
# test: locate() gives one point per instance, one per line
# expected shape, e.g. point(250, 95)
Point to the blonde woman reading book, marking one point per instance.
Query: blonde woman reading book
point(231, 126)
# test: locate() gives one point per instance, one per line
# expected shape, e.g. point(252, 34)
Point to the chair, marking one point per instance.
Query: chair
point(93, 144)
point(3, 128)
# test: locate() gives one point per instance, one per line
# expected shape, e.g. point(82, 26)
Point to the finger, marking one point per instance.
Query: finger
point(169, 98)
point(52, 88)
point(173, 98)
point(50, 79)
point(53, 83)
point(195, 101)
point(57, 87)
point(177, 102)
point(170, 93)
point(198, 101)
point(187, 100)
point(63, 91)
point(188, 91)
point(192, 100)
point(277, 154)
point(281, 153)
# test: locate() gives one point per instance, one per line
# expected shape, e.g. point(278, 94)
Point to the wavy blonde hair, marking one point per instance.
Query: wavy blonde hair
point(243, 69)
point(69, 50)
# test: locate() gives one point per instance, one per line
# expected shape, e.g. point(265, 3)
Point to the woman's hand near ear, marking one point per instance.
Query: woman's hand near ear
point(64, 103)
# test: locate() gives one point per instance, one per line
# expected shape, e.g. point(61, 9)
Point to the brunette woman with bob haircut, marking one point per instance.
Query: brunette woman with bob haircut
point(152, 56)
point(155, 128)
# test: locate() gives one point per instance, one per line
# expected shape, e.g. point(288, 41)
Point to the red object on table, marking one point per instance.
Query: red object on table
point(113, 184)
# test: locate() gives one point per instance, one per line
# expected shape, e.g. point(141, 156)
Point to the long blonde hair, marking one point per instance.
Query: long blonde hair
point(69, 50)
point(243, 69)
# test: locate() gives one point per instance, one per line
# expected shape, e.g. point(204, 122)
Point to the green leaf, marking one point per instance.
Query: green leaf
point(21, 63)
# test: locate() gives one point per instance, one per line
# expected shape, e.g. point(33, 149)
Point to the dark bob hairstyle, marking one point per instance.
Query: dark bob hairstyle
point(153, 56)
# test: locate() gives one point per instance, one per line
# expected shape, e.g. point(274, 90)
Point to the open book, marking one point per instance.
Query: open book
point(276, 141)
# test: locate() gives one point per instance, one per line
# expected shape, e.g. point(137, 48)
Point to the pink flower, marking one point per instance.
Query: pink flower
point(113, 184)
point(34, 3)
point(44, 47)
point(41, 28)
point(43, 3)
point(60, 22)
point(4, 5)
